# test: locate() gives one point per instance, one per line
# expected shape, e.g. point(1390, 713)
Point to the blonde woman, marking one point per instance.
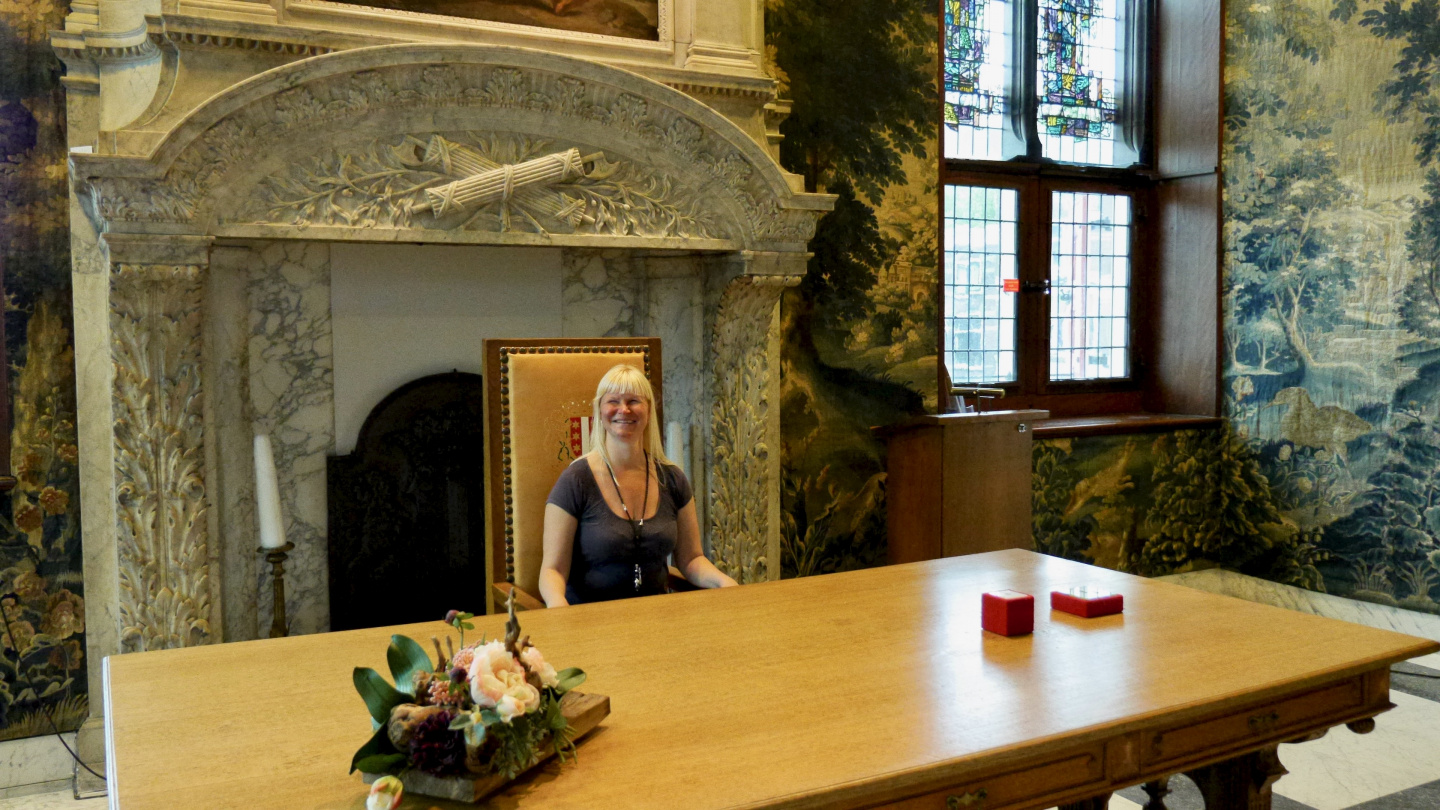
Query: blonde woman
point(619, 511)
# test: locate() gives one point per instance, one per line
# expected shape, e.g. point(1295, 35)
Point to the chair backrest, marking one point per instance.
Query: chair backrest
point(538, 391)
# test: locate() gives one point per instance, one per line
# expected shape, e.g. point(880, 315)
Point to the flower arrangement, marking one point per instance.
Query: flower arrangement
point(481, 714)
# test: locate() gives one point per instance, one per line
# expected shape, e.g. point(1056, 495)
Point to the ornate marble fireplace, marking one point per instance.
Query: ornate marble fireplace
point(202, 242)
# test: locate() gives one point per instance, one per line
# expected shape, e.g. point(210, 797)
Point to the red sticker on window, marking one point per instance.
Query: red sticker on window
point(1012, 285)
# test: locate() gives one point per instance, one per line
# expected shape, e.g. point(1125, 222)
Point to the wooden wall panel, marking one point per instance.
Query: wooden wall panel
point(1188, 343)
point(1188, 65)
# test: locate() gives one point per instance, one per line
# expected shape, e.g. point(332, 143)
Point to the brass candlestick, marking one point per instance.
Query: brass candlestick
point(276, 557)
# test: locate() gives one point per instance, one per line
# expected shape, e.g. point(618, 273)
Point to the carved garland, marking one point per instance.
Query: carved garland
point(474, 181)
point(155, 327)
point(739, 505)
point(236, 140)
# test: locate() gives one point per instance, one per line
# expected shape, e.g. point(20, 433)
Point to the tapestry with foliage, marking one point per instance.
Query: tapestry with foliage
point(859, 332)
point(42, 644)
point(1156, 504)
point(1332, 281)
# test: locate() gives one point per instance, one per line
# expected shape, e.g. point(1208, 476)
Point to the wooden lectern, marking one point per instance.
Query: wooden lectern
point(959, 483)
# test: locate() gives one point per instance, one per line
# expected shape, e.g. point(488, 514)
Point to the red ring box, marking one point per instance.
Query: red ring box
point(1009, 613)
point(1086, 602)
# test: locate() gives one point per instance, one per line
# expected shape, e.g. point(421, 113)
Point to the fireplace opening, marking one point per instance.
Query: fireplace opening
point(407, 508)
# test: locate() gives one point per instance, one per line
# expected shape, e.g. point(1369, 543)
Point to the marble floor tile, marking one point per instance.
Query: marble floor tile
point(1422, 797)
point(1185, 796)
point(1432, 661)
point(1251, 589)
point(61, 800)
point(1343, 769)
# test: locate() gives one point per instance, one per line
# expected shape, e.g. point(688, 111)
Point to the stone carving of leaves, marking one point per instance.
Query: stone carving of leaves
point(628, 111)
point(505, 88)
point(378, 186)
point(684, 136)
point(164, 573)
point(296, 106)
point(129, 200)
point(739, 486)
point(621, 208)
point(439, 83)
point(372, 87)
point(369, 189)
point(569, 97)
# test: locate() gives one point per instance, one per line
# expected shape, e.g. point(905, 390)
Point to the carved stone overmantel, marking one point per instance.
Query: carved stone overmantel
point(430, 144)
point(166, 594)
point(347, 145)
point(744, 457)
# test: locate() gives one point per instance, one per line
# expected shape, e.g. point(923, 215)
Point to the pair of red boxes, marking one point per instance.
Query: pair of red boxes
point(1011, 613)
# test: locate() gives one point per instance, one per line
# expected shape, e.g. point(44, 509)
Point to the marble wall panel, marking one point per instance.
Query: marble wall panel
point(292, 399)
point(601, 296)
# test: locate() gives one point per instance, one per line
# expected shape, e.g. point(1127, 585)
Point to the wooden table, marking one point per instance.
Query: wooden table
point(849, 690)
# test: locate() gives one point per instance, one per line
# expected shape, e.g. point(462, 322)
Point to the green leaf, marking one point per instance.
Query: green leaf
point(489, 717)
point(406, 658)
point(475, 735)
point(569, 679)
point(380, 697)
point(462, 721)
point(379, 744)
point(380, 763)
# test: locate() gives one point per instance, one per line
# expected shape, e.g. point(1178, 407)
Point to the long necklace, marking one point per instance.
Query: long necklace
point(644, 507)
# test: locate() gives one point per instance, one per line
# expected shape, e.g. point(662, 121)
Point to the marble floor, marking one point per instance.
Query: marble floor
point(1394, 767)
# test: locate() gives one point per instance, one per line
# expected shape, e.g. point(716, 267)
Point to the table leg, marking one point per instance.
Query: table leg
point(1242, 783)
point(1092, 803)
point(1157, 791)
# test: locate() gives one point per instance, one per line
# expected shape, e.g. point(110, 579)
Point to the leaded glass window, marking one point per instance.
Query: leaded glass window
point(981, 283)
point(1078, 78)
point(1089, 286)
point(1053, 80)
point(1044, 188)
point(977, 42)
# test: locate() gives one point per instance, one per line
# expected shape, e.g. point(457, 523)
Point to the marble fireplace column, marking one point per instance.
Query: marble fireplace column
point(167, 596)
point(743, 461)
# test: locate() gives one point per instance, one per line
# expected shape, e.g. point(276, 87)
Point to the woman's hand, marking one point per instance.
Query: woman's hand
point(690, 557)
point(559, 539)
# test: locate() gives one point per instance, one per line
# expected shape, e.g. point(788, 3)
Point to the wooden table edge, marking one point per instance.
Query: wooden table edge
point(955, 775)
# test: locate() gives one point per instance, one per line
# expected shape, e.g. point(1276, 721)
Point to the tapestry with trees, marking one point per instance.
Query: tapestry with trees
point(1332, 280)
point(42, 640)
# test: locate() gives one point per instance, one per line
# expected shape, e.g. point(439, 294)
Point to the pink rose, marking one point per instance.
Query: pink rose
point(385, 794)
point(535, 662)
point(498, 681)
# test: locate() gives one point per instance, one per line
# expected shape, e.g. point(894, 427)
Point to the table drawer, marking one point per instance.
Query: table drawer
point(1255, 724)
point(1017, 788)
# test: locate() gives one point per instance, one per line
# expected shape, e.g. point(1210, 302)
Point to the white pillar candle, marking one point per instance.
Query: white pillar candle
point(584, 435)
point(267, 495)
point(675, 445)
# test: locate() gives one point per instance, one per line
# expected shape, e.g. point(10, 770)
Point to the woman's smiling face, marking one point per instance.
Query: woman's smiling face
point(625, 415)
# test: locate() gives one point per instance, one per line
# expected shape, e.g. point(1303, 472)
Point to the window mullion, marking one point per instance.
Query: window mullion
point(1034, 257)
point(1022, 138)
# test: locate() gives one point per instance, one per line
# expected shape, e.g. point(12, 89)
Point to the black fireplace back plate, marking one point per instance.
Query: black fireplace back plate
point(407, 508)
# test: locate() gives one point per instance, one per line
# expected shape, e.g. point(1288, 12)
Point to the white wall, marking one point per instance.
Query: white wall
point(401, 312)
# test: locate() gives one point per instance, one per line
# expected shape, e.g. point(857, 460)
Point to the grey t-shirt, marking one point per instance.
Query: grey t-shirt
point(606, 550)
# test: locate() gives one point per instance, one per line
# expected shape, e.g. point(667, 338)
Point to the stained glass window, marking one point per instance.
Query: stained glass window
point(977, 42)
point(981, 283)
point(1078, 77)
point(1089, 286)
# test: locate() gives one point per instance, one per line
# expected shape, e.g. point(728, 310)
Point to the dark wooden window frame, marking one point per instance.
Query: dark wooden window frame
point(1035, 178)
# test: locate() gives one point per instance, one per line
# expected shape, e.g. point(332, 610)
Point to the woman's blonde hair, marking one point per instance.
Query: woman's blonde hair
point(626, 379)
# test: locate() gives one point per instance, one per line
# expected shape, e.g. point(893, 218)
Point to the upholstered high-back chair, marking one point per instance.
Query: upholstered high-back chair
point(538, 398)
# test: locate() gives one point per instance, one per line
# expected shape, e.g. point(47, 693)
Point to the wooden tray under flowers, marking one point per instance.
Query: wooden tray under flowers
point(583, 712)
